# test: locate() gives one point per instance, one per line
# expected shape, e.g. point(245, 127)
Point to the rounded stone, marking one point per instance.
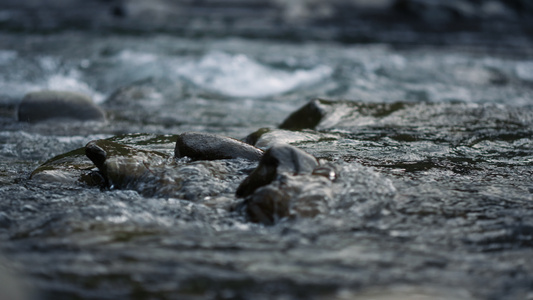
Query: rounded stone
point(205, 146)
point(289, 197)
point(46, 105)
point(277, 160)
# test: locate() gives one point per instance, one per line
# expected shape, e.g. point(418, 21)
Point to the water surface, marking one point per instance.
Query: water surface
point(434, 147)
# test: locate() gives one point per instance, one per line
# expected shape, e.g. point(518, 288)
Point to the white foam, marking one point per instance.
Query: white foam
point(524, 70)
point(53, 79)
point(6, 56)
point(238, 75)
point(71, 82)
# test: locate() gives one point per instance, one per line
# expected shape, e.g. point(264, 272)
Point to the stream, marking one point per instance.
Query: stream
point(433, 145)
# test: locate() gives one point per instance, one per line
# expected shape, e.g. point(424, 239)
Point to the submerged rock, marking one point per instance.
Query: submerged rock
point(46, 105)
point(205, 146)
point(277, 160)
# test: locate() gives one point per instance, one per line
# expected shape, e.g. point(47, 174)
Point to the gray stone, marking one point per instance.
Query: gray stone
point(205, 146)
point(290, 197)
point(121, 165)
point(45, 105)
point(277, 160)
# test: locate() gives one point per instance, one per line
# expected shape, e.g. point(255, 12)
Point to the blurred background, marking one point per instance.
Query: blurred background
point(496, 23)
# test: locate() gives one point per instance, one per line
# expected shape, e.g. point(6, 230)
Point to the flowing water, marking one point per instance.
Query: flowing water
point(434, 147)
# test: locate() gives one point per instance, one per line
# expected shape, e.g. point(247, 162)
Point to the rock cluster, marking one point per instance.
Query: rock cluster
point(287, 182)
point(284, 185)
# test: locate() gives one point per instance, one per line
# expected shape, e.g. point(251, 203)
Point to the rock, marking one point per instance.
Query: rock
point(46, 105)
point(121, 165)
point(277, 160)
point(267, 206)
point(307, 117)
point(288, 183)
point(205, 146)
point(265, 138)
point(71, 167)
point(253, 137)
point(290, 197)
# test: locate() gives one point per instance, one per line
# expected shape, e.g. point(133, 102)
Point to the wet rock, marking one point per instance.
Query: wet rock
point(204, 146)
point(277, 160)
point(71, 167)
point(265, 138)
point(289, 197)
point(288, 183)
point(121, 154)
point(307, 117)
point(46, 105)
point(121, 165)
point(253, 137)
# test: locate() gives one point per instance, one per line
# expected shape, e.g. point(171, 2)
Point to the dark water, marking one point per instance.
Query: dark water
point(433, 143)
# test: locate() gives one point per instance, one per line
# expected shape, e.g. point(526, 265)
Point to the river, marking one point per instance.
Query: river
point(433, 144)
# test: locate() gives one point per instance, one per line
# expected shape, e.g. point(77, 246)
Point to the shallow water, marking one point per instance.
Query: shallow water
point(434, 145)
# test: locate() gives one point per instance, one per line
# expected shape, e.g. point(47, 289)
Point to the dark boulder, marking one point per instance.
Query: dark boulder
point(46, 105)
point(279, 159)
point(306, 117)
point(205, 146)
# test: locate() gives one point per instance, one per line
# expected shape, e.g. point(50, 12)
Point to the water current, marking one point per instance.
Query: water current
point(434, 147)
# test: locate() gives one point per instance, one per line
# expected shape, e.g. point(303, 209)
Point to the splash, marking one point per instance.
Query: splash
point(238, 75)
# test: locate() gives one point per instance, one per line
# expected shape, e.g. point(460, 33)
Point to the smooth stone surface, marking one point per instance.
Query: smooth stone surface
point(277, 160)
point(205, 146)
point(46, 105)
